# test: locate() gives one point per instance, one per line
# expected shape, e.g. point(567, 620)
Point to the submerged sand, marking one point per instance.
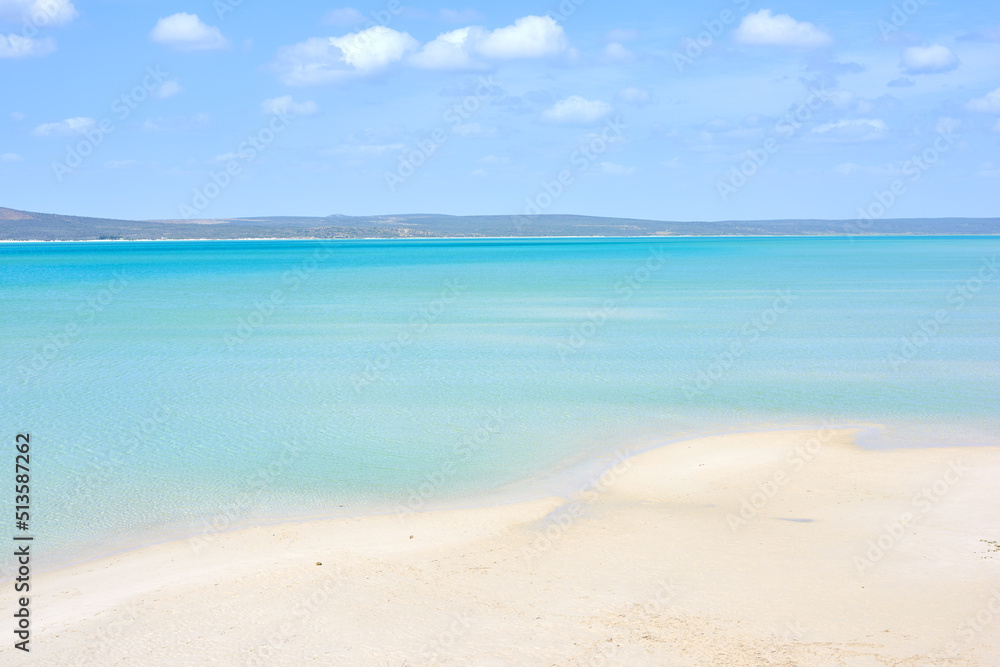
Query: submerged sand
point(781, 548)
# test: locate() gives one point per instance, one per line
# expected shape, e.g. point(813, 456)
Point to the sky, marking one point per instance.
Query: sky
point(724, 110)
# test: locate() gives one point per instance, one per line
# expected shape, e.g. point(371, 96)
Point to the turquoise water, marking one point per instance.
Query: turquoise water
point(168, 386)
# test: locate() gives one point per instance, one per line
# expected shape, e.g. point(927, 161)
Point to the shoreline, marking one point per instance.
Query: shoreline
point(561, 480)
point(519, 238)
point(663, 515)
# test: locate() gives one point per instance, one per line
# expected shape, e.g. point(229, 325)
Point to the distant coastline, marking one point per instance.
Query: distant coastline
point(25, 226)
point(492, 238)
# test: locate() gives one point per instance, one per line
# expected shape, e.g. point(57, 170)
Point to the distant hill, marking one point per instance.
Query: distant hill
point(23, 225)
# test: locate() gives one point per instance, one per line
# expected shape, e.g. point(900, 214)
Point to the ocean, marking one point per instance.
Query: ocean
point(174, 389)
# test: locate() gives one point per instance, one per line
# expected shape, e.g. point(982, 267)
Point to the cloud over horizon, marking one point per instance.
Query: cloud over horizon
point(762, 28)
point(15, 46)
point(322, 60)
point(928, 59)
point(64, 128)
point(39, 13)
point(577, 110)
point(187, 32)
point(286, 106)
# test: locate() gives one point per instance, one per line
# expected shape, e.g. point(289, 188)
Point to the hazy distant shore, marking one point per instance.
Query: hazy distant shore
point(27, 226)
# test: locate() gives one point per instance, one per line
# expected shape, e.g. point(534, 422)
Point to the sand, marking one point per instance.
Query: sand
point(781, 548)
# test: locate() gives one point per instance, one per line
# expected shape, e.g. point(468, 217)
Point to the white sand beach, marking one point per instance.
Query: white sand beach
point(780, 548)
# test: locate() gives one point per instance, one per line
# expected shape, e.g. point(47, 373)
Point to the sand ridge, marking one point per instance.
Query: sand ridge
point(779, 548)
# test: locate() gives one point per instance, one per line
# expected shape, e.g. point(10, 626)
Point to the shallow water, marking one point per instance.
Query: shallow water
point(169, 386)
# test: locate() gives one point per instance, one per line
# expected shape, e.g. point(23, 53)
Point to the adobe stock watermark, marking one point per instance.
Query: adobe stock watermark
point(42, 14)
point(565, 9)
point(928, 329)
point(749, 334)
point(793, 121)
point(291, 280)
point(443, 643)
point(252, 488)
point(972, 626)
point(93, 136)
point(108, 637)
point(793, 630)
point(418, 324)
point(912, 168)
point(623, 291)
point(472, 444)
point(562, 519)
point(247, 151)
point(922, 503)
point(306, 607)
point(580, 161)
point(105, 463)
point(695, 47)
point(794, 462)
point(86, 313)
point(664, 594)
point(413, 158)
point(900, 15)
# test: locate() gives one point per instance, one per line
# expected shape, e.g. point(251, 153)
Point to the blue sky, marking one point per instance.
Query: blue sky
point(673, 111)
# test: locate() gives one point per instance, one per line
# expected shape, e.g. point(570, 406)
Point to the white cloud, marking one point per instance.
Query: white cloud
point(65, 127)
point(615, 168)
point(615, 52)
point(374, 48)
point(187, 32)
point(996, 128)
point(10, 157)
point(763, 28)
point(286, 106)
point(17, 115)
point(452, 50)
point(38, 13)
point(15, 46)
point(461, 15)
point(311, 62)
point(928, 59)
point(634, 95)
point(322, 60)
point(345, 16)
point(333, 59)
point(475, 130)
point(472, 46)
point(529, 37)
point(989, 103)
point(167, 89)
point(576, 110)
point(857, 129)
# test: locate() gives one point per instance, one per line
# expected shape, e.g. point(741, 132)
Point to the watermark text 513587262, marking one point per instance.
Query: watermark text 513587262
point(22, 542)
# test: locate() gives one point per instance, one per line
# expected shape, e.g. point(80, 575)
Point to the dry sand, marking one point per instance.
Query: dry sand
point(653, 564)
